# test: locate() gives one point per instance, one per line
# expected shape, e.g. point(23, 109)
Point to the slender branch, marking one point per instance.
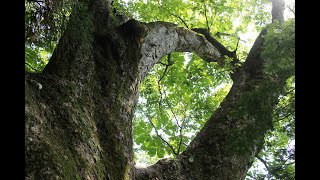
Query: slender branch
point(278, 120)
point(237, 45)
point(177, 123)
point(174, 115)
point(264, 163)
point(180, 19)
point(172, 14)
point(205, 14)
point(219, 34)
point(292, 53)
point(284, 95)
point(288, 92)
point(251, 176)
point(162, 63)
point(180, 142)
point(181, 135)
point(170, 63)
point(291, 9)
point(223, 50)
point(31, 67)
point(168, 144)
point(285, 162)
point(164, 73)
point(160, 100)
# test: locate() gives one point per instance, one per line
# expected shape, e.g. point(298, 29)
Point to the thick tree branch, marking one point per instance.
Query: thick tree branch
point(278, 7)
point(162, 38)
point(223, 50)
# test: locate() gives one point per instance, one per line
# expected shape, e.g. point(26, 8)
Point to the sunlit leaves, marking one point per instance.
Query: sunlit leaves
point(192, 89)
point(279, 49)
point(179, 104)
point(45, 22)
point(36, 58)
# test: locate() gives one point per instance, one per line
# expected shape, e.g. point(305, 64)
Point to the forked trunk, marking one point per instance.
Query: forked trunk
point(79, 110)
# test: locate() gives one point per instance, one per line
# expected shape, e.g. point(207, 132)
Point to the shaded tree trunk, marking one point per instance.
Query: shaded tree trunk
point(79, 110)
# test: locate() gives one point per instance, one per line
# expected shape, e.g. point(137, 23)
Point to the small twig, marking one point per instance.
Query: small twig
point(219, 34)
point(291, 9)
point(162, 63)
point(251, 176)
point(278, 120)
point(237, 45)
point(180, 19)
point(170, 63)
point(181, 135)
point(164, 73)
point(264, 163)
point(31, 67)
point(160, 6)
point(284, 95)
point(205, 14)
point(285, 162)
point(293, 54)
point(172, 149)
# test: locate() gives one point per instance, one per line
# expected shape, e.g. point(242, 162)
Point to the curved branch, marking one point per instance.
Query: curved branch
point(163, 38)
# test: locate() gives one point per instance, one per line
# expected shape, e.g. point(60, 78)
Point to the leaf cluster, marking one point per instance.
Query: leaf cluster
point(171, 111)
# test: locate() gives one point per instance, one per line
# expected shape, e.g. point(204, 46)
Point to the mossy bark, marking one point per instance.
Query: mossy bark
point(79, 110)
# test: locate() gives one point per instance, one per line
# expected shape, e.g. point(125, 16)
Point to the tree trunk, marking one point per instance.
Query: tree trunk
point(79, 110)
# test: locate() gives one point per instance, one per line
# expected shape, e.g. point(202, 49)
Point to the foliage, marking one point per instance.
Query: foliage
point(279, 49)
point(45, 21)
point(174, 104)
point(36, 58)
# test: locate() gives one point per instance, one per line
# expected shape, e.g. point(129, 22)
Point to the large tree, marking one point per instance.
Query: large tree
point(79, 109)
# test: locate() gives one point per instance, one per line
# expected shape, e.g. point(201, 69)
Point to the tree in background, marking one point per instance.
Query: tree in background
point(211, 111)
